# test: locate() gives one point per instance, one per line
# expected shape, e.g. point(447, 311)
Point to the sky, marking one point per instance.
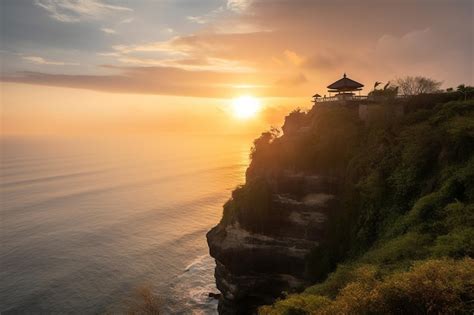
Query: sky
point(78, 66)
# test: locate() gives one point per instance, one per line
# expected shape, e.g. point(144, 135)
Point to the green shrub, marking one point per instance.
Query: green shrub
point(457, 243)
point(343, 275)
point(430, 287)
point(397, 251)
point(251, 207)
point(297, 304)
point(443, 286)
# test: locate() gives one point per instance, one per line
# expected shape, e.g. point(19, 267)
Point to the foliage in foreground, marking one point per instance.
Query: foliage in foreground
point(444, 286)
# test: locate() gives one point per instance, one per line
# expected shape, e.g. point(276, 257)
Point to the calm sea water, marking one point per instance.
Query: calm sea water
point(87, 222)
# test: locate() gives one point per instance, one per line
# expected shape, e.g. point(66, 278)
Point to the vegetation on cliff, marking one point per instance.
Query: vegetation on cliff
point(403, 239)
point(441, 286)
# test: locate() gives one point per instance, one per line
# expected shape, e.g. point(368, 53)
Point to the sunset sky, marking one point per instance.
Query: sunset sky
point(80, 66)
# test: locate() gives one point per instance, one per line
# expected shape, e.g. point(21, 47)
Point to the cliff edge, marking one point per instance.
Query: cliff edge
point(337, 207)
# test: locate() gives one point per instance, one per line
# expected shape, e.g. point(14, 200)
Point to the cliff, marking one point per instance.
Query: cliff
point(334, 194)
point(257, 260)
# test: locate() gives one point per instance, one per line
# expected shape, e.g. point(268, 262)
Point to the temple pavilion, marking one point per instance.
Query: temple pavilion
point(343, 93)
point(343, 88)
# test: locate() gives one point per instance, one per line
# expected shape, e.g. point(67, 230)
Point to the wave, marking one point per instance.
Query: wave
point(50, 178)
point(190, 290)
point(90, 192)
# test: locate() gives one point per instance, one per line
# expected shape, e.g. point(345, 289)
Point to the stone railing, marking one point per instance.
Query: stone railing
point(341, 98)
point(338, 98)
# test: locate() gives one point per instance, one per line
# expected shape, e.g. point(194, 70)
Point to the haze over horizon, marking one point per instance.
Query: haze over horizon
point(96, 66)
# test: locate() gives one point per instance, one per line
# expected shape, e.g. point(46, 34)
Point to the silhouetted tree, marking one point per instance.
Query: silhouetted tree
point(294, 121)
point(261, 145)
point(418, 85)
point(465, 90)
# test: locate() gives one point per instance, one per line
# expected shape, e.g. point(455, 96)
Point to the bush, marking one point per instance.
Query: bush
point(343, 275)
point(251, 207)
point(399, 251)
point(295, 305)
point(457, 243)
point(442, 286)
point(430, 287)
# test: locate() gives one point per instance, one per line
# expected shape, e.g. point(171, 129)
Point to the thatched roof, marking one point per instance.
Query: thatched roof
point(345, 84)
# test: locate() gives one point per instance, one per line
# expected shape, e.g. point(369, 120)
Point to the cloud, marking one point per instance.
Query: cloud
point(127, 21)
point(238, 5)
point(407, 47)
point(108, 30)
point(168, 47)
point(42, 61)
point(145, 80)
point(294, 58)
point(208, 53)
point(204, 63)
point(321, 61)
point(206, 18)
point(197, 19)
point(292, 80)
point(71, 11)
point(162, 80)
point(298, 46)
point(424, 52)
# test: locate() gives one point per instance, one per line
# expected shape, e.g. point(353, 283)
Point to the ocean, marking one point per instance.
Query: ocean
point(87, 222)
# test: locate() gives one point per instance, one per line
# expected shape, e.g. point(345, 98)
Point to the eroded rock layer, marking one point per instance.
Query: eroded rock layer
point(254, 266)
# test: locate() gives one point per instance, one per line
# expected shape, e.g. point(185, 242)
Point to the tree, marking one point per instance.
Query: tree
point(418, 85)
point(294, 121)
point(261, 146)
point(465, 90)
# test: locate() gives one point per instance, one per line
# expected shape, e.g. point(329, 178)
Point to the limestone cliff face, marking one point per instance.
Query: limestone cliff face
point(253, 267)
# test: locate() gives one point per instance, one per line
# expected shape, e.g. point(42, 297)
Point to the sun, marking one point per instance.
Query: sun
point(245, 107)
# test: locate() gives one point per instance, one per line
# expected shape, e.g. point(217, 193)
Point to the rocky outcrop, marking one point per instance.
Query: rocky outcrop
point(255, 268)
